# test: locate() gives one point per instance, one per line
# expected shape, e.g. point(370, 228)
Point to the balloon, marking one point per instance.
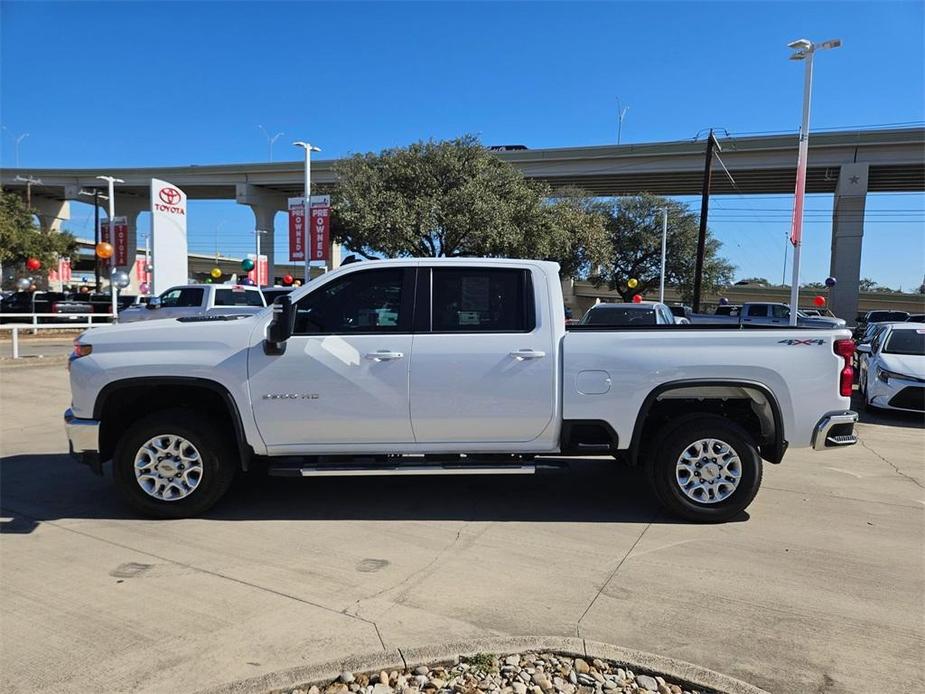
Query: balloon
point(830, 282)
point(819, 301)
point(208, 280)
point(104, 250)
point(637, 298)
point(23, 283)
point(216, 272)
point(297, 283)
point(287, 279)
point(247, 265)
point(632, 283)
point(724, 301)
point(121, 279)
point(149, 268)
point(248, 281)
point(33, 264)
point(84, 278)
point(144, 288)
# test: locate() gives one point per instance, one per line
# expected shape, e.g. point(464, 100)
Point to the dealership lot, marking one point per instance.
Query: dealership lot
point(821, 588)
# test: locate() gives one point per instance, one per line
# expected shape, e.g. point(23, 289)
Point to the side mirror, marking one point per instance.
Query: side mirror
point(863, 348)
point(153, 303)
point(281, 326)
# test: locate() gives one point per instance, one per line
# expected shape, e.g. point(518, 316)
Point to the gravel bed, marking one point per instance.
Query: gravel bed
point(527, 673)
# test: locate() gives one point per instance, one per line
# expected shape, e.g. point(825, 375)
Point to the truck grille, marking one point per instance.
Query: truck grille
point(909, 398)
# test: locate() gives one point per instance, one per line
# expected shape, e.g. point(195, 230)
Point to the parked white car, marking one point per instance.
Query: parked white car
point(631, 314)
point(893, 369)
point(194, 301)
point(449, 366)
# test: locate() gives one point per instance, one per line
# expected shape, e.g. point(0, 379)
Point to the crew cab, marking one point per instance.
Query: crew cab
point(764, 313)
point(196, 300)
point(448, 366)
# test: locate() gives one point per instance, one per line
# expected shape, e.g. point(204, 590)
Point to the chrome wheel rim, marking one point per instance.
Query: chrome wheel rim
point(708, 471)
point(168, 467)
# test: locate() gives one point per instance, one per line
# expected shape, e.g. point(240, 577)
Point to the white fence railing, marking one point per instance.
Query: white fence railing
point(35, 326)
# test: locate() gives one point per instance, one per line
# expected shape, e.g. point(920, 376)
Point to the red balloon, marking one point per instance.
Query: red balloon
point(288, 279)
point(33, 264)
point(819, 301)
point(637, 298)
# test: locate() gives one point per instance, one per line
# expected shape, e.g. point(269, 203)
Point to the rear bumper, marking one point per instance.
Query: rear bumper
point(83, 437)
point(835, 430)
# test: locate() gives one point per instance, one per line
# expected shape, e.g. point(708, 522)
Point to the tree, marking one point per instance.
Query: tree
point(634, 228)
point(453, 198)
point(866, 285)
point(21, 239)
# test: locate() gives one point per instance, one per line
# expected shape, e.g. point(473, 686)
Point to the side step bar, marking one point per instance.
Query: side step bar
point(361, 470)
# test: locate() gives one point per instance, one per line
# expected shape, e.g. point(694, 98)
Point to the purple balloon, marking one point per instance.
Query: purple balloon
point(830, 282)
point(724, 301)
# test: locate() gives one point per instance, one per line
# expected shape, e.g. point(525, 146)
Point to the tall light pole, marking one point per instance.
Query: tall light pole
point(17, 139)
point(621, 113)
point(270, 141)
point(112, 230)
point(307, 205)
point(804, 50)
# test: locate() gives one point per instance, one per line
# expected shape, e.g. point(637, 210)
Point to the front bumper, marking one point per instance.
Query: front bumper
point(835, 430)
point(83, 437)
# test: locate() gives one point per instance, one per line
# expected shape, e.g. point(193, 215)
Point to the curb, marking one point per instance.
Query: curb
point(678, 671)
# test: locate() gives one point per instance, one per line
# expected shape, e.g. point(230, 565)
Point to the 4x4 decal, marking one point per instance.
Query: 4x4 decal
point(811, 341)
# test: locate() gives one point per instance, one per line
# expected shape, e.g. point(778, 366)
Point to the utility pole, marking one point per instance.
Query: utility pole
point(661, 284)
point(29, 181)
point(96, 230)
point(704, 213)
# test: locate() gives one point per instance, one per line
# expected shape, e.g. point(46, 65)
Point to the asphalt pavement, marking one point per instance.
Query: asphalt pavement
point(820, 587)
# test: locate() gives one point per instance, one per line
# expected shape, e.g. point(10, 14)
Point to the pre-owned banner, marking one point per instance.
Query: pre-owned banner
point(297, 229)
point(168, 236)
point(320, 232)
point(260, 275)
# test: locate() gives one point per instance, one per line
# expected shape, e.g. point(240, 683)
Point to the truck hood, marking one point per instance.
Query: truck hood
point(904, 364)
point(169, 332)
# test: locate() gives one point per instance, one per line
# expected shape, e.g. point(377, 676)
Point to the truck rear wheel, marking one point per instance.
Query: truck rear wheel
point(173, 464)
point(706, 469)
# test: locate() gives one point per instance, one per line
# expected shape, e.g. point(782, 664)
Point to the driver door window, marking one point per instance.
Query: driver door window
point(361, 303)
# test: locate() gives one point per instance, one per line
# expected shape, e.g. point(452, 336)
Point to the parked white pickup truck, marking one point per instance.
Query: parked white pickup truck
point(195, 300)
point(764, 313)
point(448, 366)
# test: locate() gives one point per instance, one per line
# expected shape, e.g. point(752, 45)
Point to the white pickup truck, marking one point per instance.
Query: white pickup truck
point(448, 366)
point(195, 300)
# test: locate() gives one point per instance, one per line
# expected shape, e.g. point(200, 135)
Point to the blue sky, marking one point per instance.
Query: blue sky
point(191, 81)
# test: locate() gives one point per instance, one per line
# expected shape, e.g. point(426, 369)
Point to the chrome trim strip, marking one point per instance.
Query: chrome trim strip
point(821, 439)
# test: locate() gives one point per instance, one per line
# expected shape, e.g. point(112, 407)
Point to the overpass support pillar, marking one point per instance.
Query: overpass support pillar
point(264, 204)
point(847, 236)
point(51, 212)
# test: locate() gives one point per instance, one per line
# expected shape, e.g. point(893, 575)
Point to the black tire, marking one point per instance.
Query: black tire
point(219, 462)
point(675, 440)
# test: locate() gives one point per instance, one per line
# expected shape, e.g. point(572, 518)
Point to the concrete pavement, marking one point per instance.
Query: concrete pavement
point(821, 588)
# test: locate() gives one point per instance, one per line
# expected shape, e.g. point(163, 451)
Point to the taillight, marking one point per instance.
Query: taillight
point(845, 349)
point(54, 307)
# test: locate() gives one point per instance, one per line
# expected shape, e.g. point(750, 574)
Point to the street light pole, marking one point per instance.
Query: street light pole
point(29, 181)
point(270, 141)
point(307, 204)
point(96, 230)
point(621, 112)
point(804, 50)
point(17, 139)
point(112, 230)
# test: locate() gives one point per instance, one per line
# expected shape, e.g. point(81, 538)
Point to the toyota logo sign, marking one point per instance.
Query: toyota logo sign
point(171, 196)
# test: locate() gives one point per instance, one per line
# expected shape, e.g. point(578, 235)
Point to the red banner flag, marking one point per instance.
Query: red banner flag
point(296, 230)
point(320, 232)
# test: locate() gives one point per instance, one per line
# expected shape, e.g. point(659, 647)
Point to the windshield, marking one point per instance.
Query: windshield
point(911, 342)
point(619, 316)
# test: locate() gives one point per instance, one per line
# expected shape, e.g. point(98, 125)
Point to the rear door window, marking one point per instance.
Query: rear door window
point(472, 300)
point(239, 297)
point(182, 297)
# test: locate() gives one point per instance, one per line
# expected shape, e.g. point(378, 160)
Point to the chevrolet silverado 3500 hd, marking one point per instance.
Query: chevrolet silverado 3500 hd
point(448, 366)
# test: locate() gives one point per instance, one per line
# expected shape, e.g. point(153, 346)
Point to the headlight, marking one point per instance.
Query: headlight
point(885, 376)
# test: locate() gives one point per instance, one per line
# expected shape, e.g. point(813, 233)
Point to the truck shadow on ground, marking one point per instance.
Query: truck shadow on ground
point(53, 487)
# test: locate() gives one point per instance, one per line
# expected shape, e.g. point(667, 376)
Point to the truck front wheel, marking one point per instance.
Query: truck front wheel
point(706, 469)
point(173, 464)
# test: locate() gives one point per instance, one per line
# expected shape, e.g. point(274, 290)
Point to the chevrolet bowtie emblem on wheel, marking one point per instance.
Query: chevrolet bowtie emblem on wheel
point(290, 396)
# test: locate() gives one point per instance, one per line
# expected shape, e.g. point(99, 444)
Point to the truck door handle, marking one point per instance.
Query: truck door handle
point(521, 354)
point(383, 355)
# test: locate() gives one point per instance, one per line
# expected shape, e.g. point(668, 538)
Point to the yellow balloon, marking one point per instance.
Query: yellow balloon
point(216, 272)
point(632, 282)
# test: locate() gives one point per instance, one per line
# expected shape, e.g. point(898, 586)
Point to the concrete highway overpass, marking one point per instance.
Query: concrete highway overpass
point(847, 164)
